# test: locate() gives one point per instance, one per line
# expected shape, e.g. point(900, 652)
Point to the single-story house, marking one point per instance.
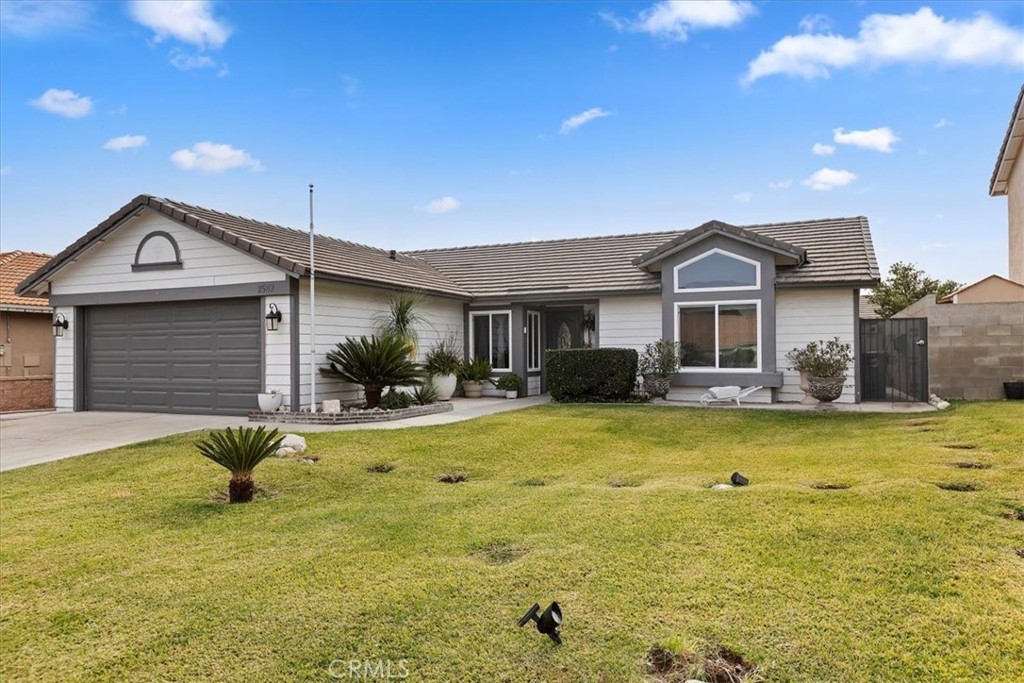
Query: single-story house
point(26, 339)
point(987, 290)
point(166, 304)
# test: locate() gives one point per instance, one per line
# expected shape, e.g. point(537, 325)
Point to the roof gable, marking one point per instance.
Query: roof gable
point(791, 254)
point(1009, 150)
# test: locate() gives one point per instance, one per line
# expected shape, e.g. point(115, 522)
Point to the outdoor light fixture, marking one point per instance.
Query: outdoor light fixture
point(273, 318)
point(738, 479)
point(60, 323)
point(548, 622)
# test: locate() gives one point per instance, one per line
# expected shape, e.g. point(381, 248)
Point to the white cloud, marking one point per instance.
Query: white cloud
point(125, 142)
point(879, 139)
point(743, 197)
point(442, 205)
point(574, 122)
point(943, 123)
point(185, 61)
point(816, 23)
point(781, 184)
point(30, 18)
point(823, 150)
point(190, 21)
point(675, 19)
point(828, 178)
point(211, 157)
point(64, 102)
point(351, 84)
point(921, 37)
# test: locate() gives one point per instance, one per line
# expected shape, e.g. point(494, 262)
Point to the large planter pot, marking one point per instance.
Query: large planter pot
point(657, 386)
point(1014, 390)
point(444, 385)
point(473, 389)
point(512, 393)
point(826, 389)
point(270, 402)
point(805, 386)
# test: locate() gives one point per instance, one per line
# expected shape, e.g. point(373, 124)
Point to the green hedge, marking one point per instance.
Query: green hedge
point(591, 375)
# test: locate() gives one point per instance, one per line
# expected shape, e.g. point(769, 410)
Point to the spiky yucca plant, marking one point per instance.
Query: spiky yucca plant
point(402, 320)
point(240, 452)
point(373, 362)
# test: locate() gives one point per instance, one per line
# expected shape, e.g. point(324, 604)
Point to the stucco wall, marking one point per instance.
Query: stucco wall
point(990, 290)
point(1015, 209)
point(27, 343)
point(972, 348)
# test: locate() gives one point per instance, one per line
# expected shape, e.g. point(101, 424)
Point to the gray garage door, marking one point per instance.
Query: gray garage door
point(180, 357)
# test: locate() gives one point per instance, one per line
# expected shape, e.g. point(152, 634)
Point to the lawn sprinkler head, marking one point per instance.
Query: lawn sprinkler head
point(738, 479)
point(547, 623)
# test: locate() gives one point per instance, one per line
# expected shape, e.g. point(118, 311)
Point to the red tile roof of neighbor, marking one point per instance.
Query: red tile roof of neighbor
point(15, 266)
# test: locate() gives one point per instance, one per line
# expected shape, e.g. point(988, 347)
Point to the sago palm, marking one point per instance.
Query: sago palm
point(240, 452)
point(373, 362)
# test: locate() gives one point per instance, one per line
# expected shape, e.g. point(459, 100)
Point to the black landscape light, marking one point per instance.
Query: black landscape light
point(273, 318)
point(60, 323)
point(548, 622)
point(738, 479)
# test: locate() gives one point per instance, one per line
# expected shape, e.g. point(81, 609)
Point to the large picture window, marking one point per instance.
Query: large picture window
point(490, 338)
point(720, 336)
point(532, 341)
point(717, 270)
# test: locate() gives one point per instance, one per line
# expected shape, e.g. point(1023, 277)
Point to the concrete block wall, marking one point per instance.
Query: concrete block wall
point(972, 348)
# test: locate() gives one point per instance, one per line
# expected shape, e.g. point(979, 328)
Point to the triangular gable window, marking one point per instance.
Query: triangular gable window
point(717, 270)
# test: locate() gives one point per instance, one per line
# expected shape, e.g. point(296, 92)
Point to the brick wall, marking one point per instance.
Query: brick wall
point(972, 348)
point(25, 393)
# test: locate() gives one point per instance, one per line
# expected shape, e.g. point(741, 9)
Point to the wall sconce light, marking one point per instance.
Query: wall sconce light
point(547, 623)
point(273, 318)
point(60, 323)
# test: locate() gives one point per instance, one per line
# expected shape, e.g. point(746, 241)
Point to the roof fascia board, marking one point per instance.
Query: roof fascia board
point(348, 280)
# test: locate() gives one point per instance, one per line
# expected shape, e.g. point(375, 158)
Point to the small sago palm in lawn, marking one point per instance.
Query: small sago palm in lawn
point(240, 452)
point(373, 362)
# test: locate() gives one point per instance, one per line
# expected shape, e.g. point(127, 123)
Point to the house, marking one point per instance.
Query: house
point(1008, 180)
point(26, 339)
point(166, 304)
point(991, 289)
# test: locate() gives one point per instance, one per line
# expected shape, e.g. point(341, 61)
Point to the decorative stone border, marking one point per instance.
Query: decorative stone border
point(354, 416)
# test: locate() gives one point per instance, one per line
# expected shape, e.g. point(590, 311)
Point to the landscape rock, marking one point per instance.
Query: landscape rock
point(293, 444)
point(331, 406)
point(722, 487)
point(938, 402)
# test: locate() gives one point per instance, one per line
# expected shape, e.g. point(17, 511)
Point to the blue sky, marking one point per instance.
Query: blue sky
point(441, 124)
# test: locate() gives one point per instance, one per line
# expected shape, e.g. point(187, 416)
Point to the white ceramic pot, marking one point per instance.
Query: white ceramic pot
point(512, 394)
point(473, 389)
point(444, 385)
point(270, 402)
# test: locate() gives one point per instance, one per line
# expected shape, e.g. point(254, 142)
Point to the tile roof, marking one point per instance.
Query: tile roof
point(719, 228)
point(15, 266)
point(1009, 150)
point(838, 251)
point(867, 308)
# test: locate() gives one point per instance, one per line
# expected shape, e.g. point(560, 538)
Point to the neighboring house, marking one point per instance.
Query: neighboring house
point(1008, 179)
point(867, 308)
point(992, 289)
point(26, 337)
point(166, 303)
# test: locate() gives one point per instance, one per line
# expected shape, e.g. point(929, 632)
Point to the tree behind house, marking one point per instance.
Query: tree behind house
point(906, 284)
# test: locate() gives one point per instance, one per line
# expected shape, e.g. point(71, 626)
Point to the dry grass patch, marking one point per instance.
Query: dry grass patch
point(829, 486)
point(717, 664)
point(970, 465)
point(453, 477)
point(961, 486)
point(380, 468)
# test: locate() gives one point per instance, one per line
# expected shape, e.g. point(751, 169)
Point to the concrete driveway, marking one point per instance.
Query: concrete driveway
point(32, 438)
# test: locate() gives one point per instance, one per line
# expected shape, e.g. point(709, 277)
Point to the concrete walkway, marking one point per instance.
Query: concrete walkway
point(867, 407)
point(33, 438)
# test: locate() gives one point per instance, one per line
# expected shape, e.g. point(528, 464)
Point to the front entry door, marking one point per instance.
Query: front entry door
point(565, 328)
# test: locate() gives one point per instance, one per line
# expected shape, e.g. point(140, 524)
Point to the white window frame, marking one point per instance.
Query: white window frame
point(704, 255)
point(533, 317)
point(716, 304)
point(490, 331)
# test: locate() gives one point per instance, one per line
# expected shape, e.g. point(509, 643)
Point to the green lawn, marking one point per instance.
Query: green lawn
point(120, 566)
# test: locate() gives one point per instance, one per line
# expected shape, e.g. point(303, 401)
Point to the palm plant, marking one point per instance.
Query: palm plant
point(239, 452)
point(401, 320)
point(374, 363)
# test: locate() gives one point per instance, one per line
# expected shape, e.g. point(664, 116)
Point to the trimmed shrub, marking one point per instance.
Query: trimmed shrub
point(591, 375)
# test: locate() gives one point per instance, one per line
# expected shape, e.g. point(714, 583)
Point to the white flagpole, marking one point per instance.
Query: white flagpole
point(312, 311)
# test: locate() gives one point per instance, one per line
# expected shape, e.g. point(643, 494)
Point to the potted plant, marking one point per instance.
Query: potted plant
point(824, 366)
point(270, 400)
point(442, 364)
point(473, 375)
point(658, 363)
point(1015, 388)
point(510, 384)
